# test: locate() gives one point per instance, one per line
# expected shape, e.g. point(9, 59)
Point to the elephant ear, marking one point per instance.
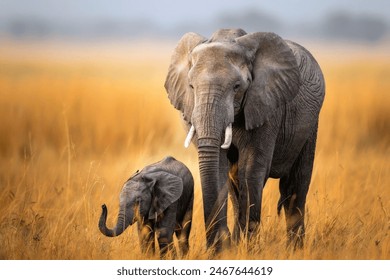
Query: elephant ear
point(166, 189)
point(176, 82)
point(275, 76)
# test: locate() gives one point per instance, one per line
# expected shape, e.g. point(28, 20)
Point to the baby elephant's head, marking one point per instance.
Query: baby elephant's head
point(143, 197)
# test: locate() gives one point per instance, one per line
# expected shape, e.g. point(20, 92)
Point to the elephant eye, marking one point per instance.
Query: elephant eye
point(191, 86)
point(236, 86)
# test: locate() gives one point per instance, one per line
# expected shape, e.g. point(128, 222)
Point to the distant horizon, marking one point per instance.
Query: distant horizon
point(172, 12)
point(355, 20)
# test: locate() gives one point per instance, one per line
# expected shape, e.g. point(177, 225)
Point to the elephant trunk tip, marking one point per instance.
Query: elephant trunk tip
point(102, 223)
point(104, 213)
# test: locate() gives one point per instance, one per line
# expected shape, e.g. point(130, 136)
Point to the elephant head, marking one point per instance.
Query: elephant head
point(143, 197)
point(217, 82)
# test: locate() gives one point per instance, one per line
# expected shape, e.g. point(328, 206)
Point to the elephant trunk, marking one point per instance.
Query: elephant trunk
point(123, 222)
point(212, 128)
point(209, 176)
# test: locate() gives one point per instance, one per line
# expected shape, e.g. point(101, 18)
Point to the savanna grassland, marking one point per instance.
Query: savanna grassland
point(77, 120)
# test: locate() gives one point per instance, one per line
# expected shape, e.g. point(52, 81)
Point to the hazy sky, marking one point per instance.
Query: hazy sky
point(169, 12)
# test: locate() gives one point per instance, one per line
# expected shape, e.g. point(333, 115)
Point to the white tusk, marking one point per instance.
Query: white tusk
point(228, 137)
point(190, 134)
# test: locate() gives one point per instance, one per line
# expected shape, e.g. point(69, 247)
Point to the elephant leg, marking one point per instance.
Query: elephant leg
point(250, 206)
point(252, 177)
point(165, 229)
point(293, 190)
point(183, 231)
point(254, 164)
point(234, 190)
point(182, 235)
point(146, 237)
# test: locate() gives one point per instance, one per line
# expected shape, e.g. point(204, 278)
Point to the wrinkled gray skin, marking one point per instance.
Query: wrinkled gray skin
point(160, 199)
point(271, 90)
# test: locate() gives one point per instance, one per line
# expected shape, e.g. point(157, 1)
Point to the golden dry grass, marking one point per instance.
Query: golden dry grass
point(75, 122)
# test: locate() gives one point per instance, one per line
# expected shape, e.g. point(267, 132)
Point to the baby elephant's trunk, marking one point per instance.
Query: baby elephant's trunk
point(121, 224)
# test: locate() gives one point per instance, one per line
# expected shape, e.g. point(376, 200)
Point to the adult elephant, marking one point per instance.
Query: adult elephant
point(251, 103)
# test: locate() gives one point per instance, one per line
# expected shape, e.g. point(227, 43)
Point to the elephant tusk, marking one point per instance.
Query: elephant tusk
point(228, 137)
point(189, 137)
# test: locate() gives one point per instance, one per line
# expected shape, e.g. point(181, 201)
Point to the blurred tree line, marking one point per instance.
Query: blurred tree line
point(338, 25)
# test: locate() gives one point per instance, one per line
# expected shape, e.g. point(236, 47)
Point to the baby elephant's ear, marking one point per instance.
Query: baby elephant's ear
point(167, 189)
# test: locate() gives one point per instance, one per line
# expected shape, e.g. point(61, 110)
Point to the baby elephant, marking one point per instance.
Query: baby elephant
point(160, 198)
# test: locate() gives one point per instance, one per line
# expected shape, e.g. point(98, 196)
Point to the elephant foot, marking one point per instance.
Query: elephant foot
point(296, 238)
point(221, 242)
point(183, 247)
point(295, 231)
point(253, 229)
point(246, 231)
